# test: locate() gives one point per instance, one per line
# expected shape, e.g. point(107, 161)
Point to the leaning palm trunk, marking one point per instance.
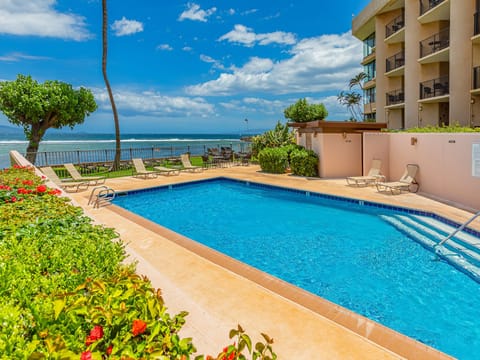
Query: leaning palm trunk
point(116, 161)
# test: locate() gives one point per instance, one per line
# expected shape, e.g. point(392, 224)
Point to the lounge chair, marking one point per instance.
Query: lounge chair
point(406, 183)
point(373, 175)
point(93, 180)
point(68, 186)
point(140, 171)
point(187, 165)
point(166, 171)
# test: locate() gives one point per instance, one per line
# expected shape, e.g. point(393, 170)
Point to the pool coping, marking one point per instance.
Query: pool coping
point(381, 335)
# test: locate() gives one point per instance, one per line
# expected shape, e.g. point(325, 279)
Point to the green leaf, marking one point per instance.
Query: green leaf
point(58, 306)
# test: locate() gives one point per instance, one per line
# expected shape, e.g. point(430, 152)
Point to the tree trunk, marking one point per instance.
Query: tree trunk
point(33, 144)
point(116, 161)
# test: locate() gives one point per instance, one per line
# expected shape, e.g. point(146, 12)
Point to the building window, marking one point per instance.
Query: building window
point(369, 95)
point(368, 45)
point(370, 70)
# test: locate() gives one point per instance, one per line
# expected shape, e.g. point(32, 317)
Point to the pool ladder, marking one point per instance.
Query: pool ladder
point(460, 228)
point(101, 195)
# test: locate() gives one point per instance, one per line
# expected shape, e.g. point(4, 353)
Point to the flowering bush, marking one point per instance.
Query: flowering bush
point(64, 293)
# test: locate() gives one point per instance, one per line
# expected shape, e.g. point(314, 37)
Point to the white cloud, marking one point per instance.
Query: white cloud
point(244, 35)
point(164, 47)
point(124, 27)
point(323, 63)
point(194, 13)
point(208, 59)
point(231, 11)
point(39, 18)
point(187, 48)
point(17, 56)
point(154, 104)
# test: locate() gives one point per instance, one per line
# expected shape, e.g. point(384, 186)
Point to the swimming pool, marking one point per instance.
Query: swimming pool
point(343, 251)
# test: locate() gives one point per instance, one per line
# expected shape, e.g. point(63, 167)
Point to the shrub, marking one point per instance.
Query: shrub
point(65, 294)
point(455, 128)
point(273, 160)
point(302, 111)
point(277, 137)
point(304, 162)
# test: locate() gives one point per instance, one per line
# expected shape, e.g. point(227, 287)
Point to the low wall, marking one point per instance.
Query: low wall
point(444, 160)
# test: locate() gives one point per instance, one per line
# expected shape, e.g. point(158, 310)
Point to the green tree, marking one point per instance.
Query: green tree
point(352, 101)
point(302, 111)
point(358, 80)
point(37, 107)
point(277, 137)
point(116, 161)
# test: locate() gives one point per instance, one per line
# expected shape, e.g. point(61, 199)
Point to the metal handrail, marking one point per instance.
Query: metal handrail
point(460, 228)
point(101, 193)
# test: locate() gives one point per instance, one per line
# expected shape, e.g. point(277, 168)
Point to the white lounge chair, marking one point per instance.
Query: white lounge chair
point(166, 171)
point(187, 165)
point(92, 180)
point(68, 186)
point(374, 175)
point(406, 183)
point(139, 169)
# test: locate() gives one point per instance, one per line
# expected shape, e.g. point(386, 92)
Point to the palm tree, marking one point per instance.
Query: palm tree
point(358, 80)
point(116, 161)
point(352, 101)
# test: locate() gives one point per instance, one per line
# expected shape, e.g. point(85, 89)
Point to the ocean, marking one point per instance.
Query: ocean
point(162, 145)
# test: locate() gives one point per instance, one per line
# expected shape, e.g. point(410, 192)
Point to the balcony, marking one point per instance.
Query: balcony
point(435, 43)
point(434, 88)
point(395, 97)
point(394, 26)
point(434, 10)
point(476, 24)
point(476, 80)
point(395, 62)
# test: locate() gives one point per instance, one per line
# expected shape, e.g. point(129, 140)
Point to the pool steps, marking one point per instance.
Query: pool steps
point(461, 251)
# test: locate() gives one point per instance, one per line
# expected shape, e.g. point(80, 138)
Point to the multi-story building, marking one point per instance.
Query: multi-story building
point(422, 61)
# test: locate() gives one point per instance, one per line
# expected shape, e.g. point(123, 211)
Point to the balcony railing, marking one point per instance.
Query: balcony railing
point(426, 5)
point(395, 97)
point(434, 87)
point(395, 61)
point(476, 78)
point(435, 43)
point(395, 25)
point(476, 24)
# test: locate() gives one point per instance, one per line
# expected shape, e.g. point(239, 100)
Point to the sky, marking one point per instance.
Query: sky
point(187, 67)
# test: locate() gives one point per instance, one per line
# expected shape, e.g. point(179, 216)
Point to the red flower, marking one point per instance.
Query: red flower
point(27, 182)
point(13, 199)
point(95, 334)
point(41, 188)
point(109, 350)
point(138, 327)
point(54, 192)
point(86, 355)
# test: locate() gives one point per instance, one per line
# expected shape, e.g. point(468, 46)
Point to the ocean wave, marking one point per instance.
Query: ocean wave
point(133, 140)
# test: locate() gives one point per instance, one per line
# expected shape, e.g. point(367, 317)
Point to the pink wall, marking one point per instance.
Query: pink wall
point(339, 154)
point(444, 160)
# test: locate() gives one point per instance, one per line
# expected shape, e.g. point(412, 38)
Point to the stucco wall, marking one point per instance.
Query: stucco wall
point(444, 160)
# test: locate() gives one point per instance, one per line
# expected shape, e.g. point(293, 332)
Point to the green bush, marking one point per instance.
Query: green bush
point(273, 160)
point(302, 111)
point(64, 293)
point(455, 128)
point(277, 137)
point(304, 162)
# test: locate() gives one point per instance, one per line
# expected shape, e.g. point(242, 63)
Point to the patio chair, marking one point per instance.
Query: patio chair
point(373, 175)
point(140, 171)
point(406, 183)
point(187, 165)
point(93, 180)
point(162, 170)
point(68, 186)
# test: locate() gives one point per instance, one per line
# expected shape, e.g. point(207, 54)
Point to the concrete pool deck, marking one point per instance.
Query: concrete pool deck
point(220, 293)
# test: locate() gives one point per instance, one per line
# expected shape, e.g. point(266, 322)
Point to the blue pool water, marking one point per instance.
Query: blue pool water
point(339, 250)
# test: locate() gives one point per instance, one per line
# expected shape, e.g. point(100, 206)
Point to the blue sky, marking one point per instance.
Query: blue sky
point(183, 67)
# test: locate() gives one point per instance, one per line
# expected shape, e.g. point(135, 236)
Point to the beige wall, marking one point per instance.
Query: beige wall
point(445, 163)
point(339, 155)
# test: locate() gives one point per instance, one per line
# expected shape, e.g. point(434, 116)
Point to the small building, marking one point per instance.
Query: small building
point(339, 145)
